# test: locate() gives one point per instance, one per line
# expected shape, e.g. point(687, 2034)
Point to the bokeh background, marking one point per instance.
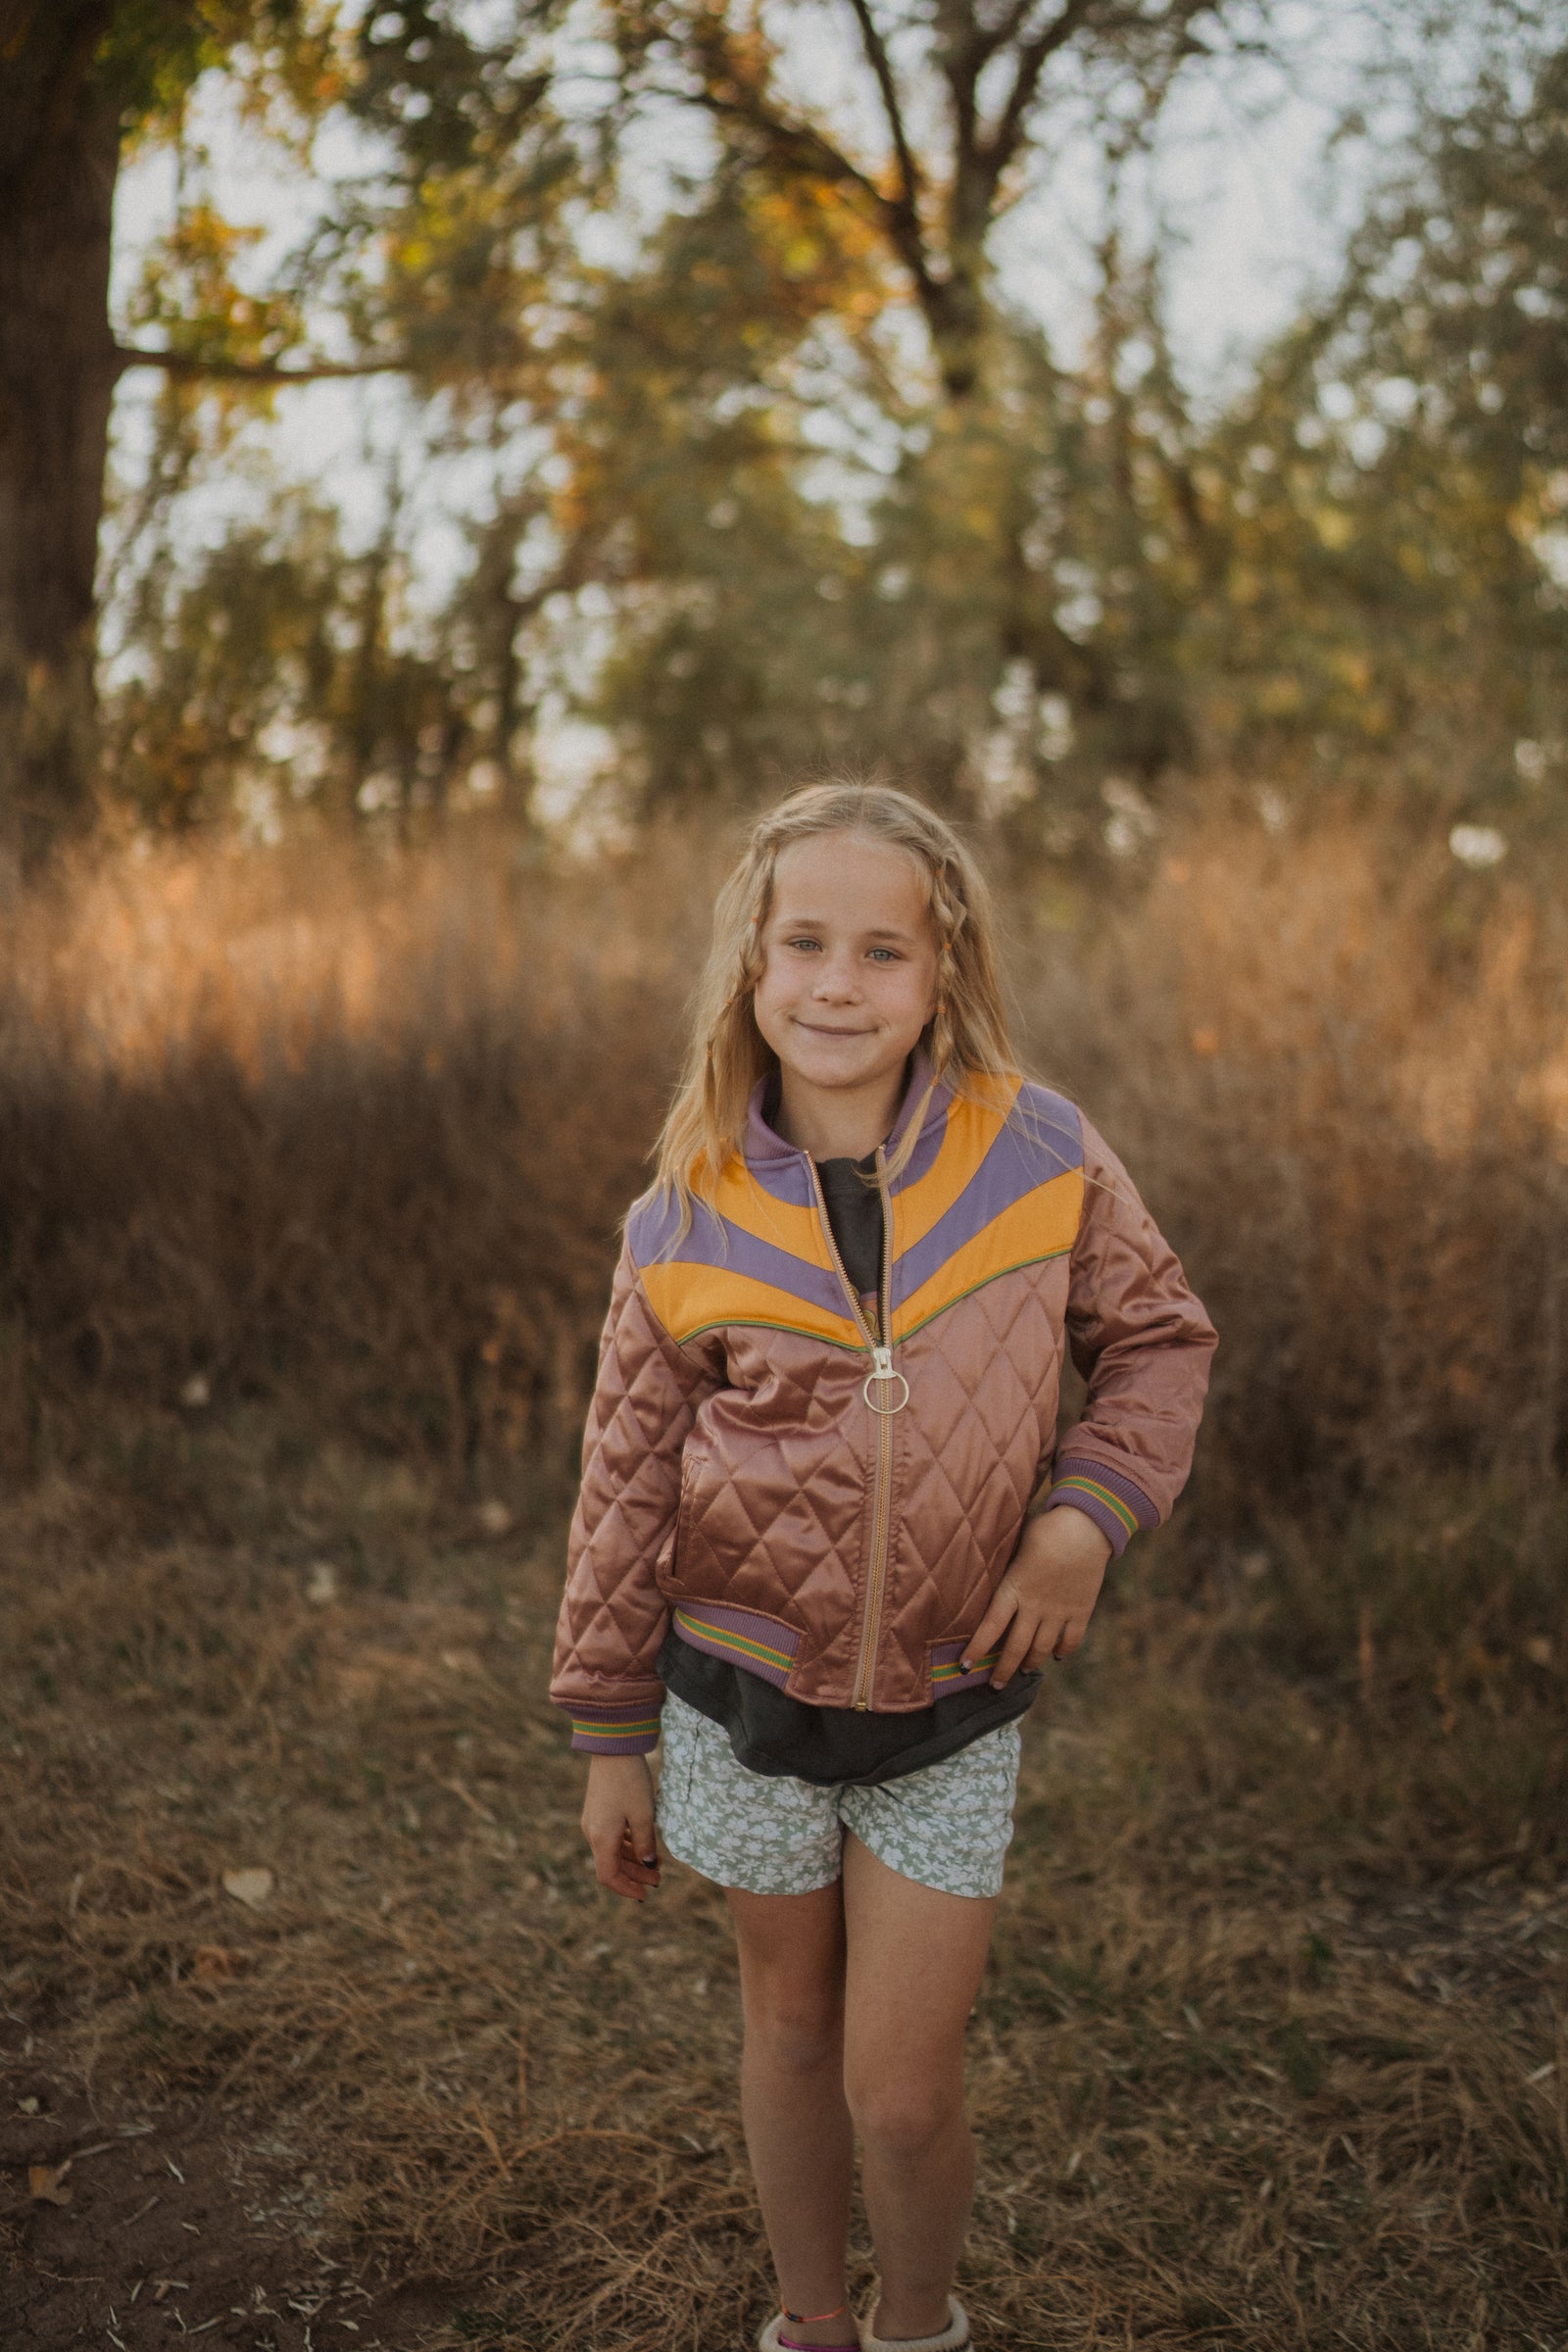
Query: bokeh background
point(1143, 431)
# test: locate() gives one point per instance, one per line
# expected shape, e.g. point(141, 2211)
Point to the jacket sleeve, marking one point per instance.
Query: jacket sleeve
point(1143, 1343)
point(612, 1614)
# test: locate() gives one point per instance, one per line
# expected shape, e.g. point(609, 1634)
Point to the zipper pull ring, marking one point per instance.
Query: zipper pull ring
point(882, 1369)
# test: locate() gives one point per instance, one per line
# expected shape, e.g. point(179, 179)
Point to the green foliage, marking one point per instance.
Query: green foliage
point(736, 519)
point(153, 51)
point(1385, 505)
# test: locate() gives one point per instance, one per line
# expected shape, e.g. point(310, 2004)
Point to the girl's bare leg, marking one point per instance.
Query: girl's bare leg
point(791, 2093)
point(915, 1960)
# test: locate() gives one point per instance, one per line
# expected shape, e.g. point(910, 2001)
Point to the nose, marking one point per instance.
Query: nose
point(836, 979)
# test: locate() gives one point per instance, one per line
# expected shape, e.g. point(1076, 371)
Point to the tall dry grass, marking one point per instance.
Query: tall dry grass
point(341, 1138)
point(349, 1137)
point(1339, 1066)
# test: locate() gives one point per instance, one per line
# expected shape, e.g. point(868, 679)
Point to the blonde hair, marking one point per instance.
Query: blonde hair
point(966, 1037)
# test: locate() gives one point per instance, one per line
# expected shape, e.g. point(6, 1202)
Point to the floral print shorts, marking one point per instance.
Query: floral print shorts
point(947, 1826)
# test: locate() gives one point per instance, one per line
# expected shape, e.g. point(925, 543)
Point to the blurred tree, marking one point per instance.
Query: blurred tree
point(1384, 506)
point(79, 79)
point(747, 519)
point(971, 98)
point(76, 76)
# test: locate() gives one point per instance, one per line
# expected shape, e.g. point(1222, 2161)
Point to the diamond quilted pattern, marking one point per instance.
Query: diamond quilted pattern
point(742, 1466)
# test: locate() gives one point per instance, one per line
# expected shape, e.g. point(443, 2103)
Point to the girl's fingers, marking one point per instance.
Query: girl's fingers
point(1017, 1646)
point(992, 1625)
point(639, 1856)
point(640, 1835)
point(625, 1858)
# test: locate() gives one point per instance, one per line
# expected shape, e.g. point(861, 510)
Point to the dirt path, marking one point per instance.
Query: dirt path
point(136, 2226)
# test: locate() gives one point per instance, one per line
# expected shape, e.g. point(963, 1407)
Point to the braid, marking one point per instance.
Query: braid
point(950, 914)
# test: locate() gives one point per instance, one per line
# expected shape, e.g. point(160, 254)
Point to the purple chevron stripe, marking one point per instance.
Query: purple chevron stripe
point(719, 1242)
point(653, 1222)
point(784, 1171)
point(780, 1168)
point(1052, 1124)
point(933, 1128)
point(932, 1136)
point(1027, 1154)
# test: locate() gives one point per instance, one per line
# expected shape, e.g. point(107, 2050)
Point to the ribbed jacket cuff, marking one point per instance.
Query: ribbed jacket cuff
point(613, 1730)
point(1118, 1507)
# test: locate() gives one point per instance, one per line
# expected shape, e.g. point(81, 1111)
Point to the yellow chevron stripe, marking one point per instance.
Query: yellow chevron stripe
point(692, 1298)
point(972, 1128)
point(1043, 1224)
point(751, 1206)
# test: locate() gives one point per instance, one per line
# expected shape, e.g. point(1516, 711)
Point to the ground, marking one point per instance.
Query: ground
point(317, 2033)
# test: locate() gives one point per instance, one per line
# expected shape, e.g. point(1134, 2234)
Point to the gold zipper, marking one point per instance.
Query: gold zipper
point(881, 1349)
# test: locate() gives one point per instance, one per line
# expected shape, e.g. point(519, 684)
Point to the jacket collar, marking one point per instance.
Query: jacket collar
point(767, 1150)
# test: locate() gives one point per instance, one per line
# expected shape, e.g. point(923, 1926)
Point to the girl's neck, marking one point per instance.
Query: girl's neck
point(831, 1124)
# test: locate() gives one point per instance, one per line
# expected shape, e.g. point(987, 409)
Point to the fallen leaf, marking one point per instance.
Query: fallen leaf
point(253, 1888)
point(27, 2106)
point(321, 1582)
point(43, 2183)
point(213, 1962)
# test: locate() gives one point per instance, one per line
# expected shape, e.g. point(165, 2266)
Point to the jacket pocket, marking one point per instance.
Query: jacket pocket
point(665, 1571)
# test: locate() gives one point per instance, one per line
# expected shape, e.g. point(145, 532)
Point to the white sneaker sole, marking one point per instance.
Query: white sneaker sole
point(955, 2337)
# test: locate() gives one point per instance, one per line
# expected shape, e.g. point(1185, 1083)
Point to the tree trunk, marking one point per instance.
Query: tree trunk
point(59, 151)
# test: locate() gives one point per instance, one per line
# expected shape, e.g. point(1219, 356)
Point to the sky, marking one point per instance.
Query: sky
point(1253, 215)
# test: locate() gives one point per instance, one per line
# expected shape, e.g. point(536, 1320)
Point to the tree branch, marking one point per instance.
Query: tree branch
point(1034, 56)
point(802, 147)
point(881, 66)
point(250, 372)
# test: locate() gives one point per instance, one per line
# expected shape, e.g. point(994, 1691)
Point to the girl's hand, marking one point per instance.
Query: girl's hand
point(617, 1820)
point(1042, 1607)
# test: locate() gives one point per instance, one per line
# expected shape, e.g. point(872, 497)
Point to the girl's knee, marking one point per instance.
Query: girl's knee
point(901, 2116)
point(797, 2032)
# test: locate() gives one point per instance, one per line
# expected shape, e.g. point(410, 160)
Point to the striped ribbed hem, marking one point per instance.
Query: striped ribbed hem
point(760, 1644)
point(613, 1730)
point(947, 1669)
point(1118, 1507)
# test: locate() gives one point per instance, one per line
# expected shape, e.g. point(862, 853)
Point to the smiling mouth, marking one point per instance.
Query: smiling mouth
point(818, 1029)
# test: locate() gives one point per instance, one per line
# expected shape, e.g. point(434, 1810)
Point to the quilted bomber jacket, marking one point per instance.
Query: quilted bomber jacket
point(831, 1513)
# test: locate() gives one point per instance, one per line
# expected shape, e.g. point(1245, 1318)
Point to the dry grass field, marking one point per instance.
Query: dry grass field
point(311, 1178)
point(1262, 2058)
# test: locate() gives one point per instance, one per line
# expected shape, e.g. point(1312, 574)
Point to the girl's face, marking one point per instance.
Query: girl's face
point(850, 974)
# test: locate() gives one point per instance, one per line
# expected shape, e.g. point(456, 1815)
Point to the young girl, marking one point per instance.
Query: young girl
point(826, 1538)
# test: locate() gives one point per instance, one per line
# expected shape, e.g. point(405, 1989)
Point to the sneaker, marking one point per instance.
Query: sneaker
point(770, 2340)
point(955, 2337)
